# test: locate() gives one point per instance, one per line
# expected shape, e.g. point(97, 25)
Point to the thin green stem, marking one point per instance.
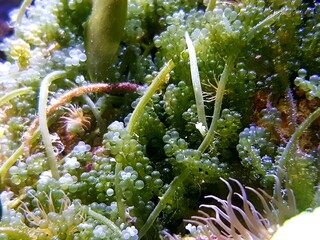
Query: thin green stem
point(118, 190)
point(43, 102)
point(295, 137)
point(102, 126)
point(265, 22)
point(14, 94)
point(10, 161)
point(155, 85)
point(25, 4)
point(106, 221)
point(211, 5)
point(218, 103)
point(14, 157)
point(177, 181)
point(147, 48)
point(224, 79)
point(196, 82)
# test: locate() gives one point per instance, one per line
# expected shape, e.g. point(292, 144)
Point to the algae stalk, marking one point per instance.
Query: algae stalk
point(104, 31)
point(43, 100)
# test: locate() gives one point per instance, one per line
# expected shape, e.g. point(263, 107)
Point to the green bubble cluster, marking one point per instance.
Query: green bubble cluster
point(144, 161)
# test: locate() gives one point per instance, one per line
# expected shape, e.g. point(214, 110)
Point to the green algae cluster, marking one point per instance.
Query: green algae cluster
point(125, 144)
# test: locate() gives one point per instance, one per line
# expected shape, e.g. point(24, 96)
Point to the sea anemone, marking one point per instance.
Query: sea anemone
point(232, 222)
